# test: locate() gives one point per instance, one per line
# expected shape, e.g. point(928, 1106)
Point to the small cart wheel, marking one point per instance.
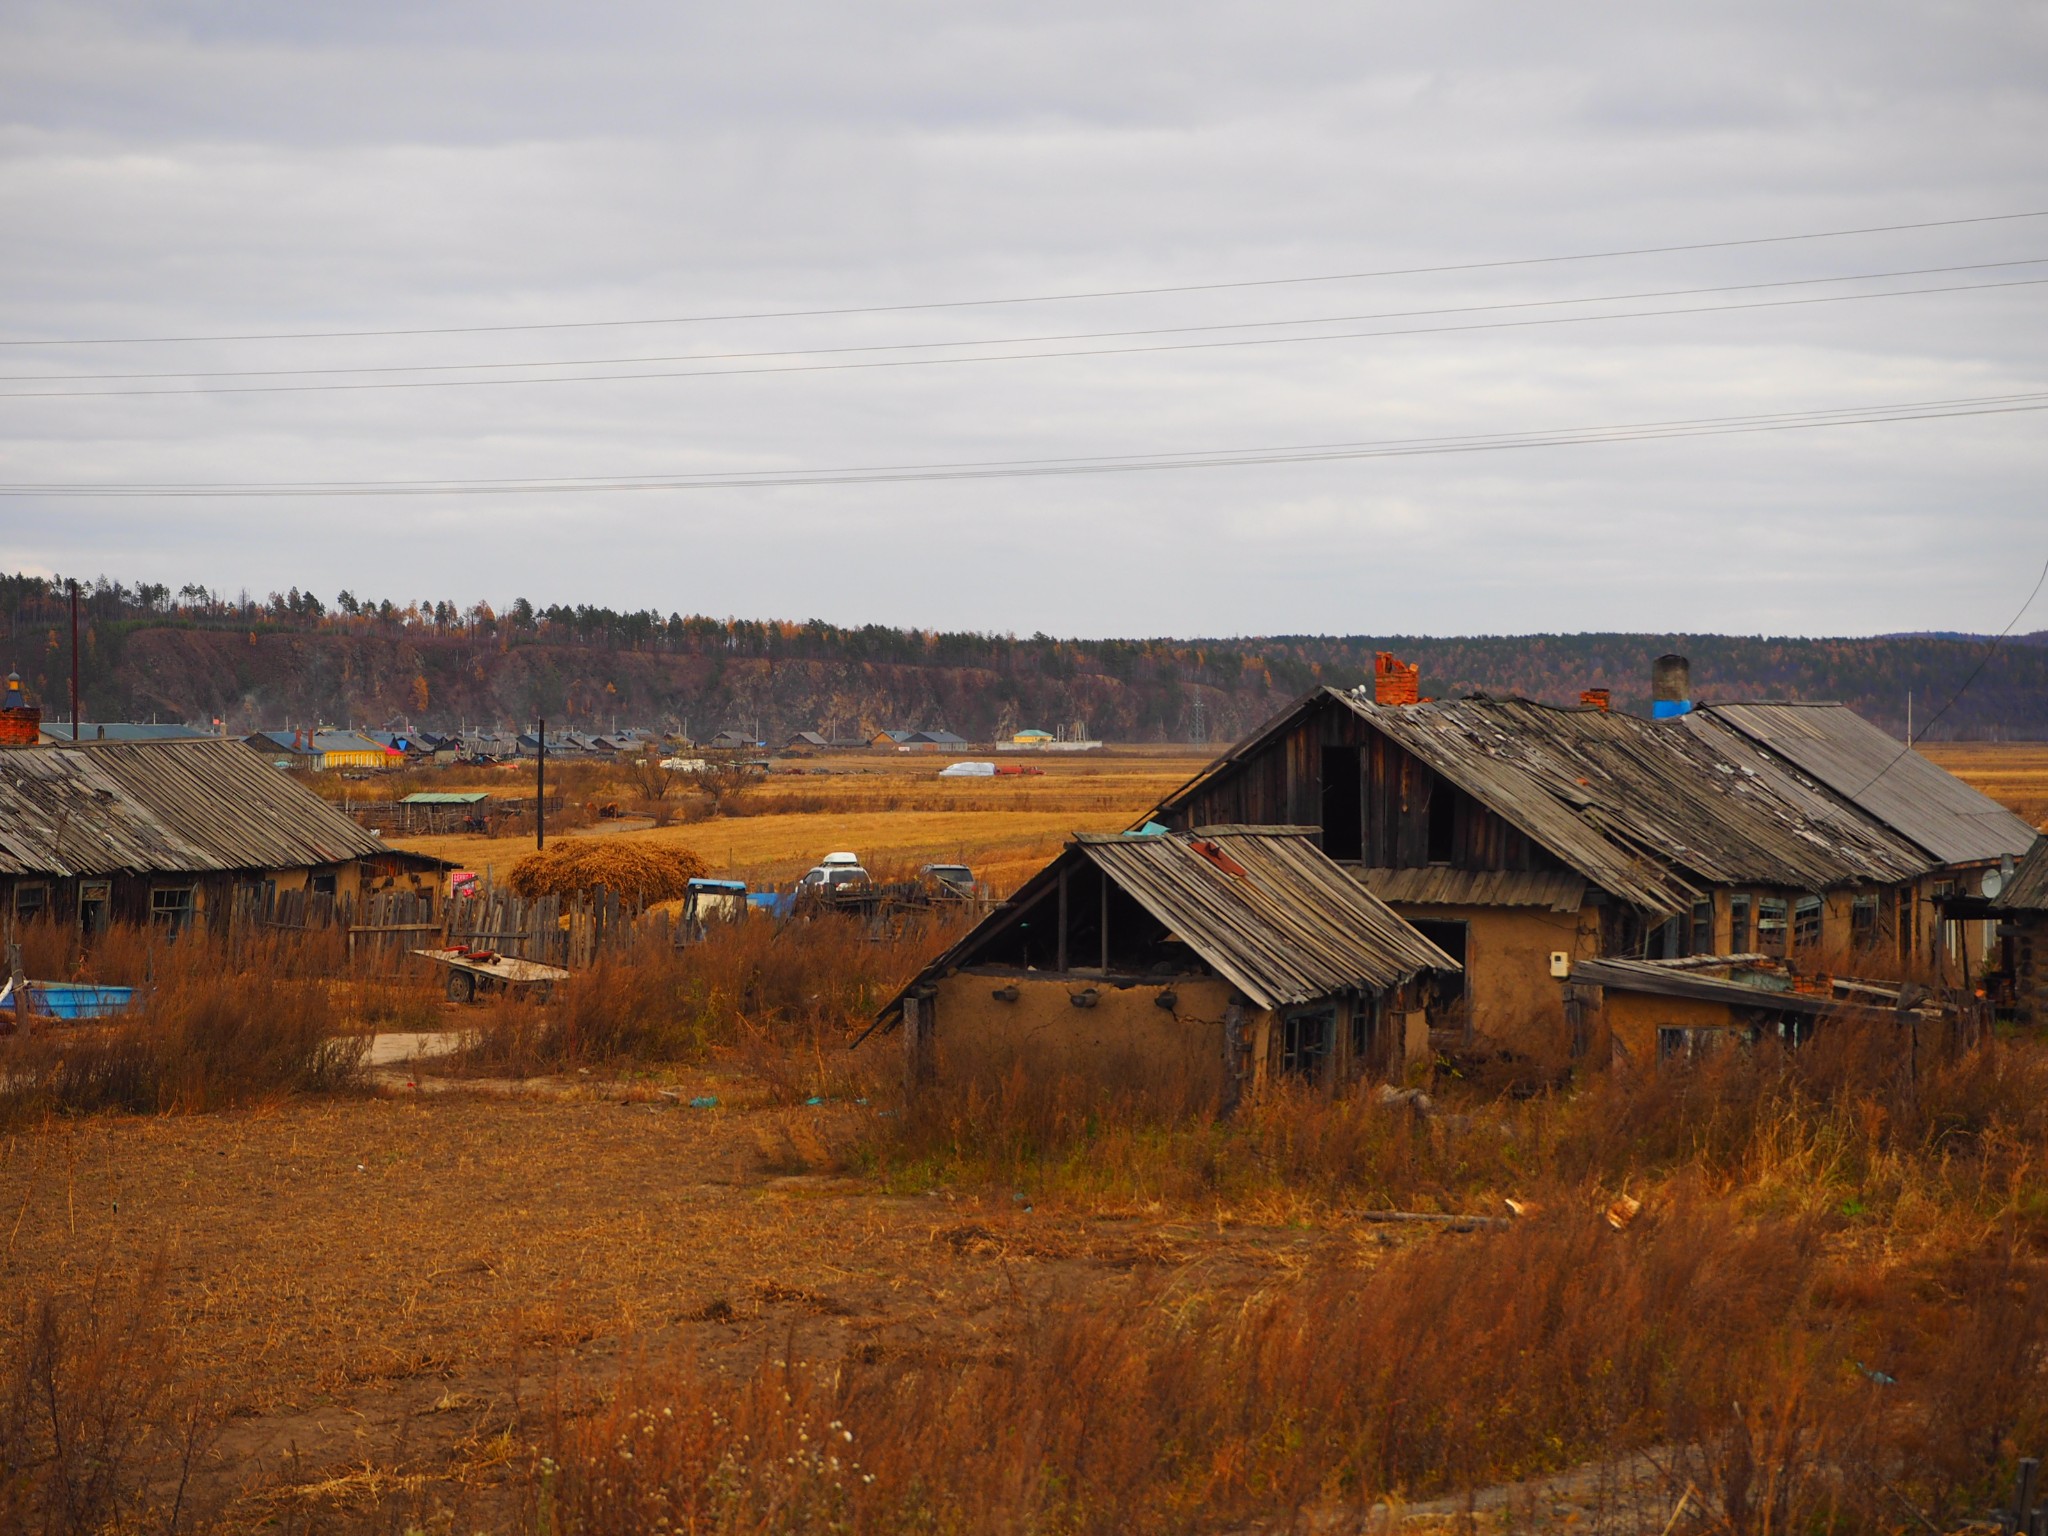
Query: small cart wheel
point(461, 986)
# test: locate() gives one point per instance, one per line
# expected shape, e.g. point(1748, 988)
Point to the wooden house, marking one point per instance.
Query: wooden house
point(1194, 965)
point(170, 831)
point(1524, 838)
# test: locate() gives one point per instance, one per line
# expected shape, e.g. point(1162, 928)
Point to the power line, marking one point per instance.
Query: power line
point(1013, 341)
point(1013, 357)
point(1975, 672)
point(1705, 426)
point(1035, 298)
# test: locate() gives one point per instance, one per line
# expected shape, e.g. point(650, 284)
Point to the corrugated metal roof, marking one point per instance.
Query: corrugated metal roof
point(1441, 886)
point(2027, 891)
point(1293, 927)
point(121, 730)
point(163, 806)
point(1641, 809)
point(1936, 810)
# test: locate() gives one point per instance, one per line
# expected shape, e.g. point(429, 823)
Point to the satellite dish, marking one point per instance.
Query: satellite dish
point(1991, 885)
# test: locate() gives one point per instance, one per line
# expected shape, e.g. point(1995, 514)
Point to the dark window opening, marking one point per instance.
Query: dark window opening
point(30, 902)
point(1446, 988)
point(1701, 940)
point(1362, 1021)
point(1343, 791)
point(1863, 922)
point(1665, 941)
point(1738, 925)
point(321, 885)
point(1446, 936)
point(1305, 1042)
point(1443, 822)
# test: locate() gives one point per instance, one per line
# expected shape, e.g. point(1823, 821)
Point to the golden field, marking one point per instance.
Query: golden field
point(895, 812)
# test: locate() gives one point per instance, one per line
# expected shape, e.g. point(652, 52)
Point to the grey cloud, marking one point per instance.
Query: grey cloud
point(219, 168)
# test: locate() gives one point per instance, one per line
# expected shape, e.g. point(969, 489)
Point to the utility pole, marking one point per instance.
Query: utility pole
point(540, 789)
point(74, 661)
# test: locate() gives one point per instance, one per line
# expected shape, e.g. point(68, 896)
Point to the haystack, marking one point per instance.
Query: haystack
point(635, 870)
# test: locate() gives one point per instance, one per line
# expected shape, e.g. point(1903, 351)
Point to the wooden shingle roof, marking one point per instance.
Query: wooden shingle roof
point(163, 807)
point(1263, 907)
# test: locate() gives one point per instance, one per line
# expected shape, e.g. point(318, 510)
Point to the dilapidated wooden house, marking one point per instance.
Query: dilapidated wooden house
point(171, 831)
point(1523, 838)
point(2020, 908)
point(1193, 964)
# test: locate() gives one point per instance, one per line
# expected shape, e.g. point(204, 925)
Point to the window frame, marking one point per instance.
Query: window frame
point(1299, 1058)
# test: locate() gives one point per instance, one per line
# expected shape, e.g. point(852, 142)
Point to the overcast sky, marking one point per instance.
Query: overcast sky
point(211, 169)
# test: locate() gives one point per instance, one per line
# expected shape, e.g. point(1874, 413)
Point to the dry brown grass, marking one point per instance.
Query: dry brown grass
point(782, 997)
point(215, 1025)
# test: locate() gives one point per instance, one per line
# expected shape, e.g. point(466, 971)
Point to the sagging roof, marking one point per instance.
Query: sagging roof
point(1937, 811)
point(1263, 907)
point(1648, 813)
point(2027, 891)
point(1441, 886)
point(1662, 979)
point(163, 807)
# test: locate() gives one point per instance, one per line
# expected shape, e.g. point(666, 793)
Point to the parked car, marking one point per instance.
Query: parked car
point(947, 879)
point(835, 874)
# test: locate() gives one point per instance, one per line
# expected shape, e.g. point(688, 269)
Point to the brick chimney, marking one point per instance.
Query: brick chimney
point(1595, 698)
point(1395, 682)
point(21, 723)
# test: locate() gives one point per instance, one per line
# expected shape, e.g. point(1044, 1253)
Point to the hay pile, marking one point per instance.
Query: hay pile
point(635, 870)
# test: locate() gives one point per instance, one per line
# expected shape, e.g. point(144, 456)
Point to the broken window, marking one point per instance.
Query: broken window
point(1664, 940)
point(1701, 940)
point(1738, 925)
point(321, 885)
point(95, 900)
point(171, 905)
point(1690, 1042)
point(1863, 921)
point(31, 901)
point(1306, 1038)
point(1806, 922)
point(1770, 925)
point(1362, 1021)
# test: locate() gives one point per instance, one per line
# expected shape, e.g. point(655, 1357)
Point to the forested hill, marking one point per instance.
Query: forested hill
point(147, 652)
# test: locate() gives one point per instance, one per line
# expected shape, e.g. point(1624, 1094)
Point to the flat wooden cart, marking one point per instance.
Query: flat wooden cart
point(471, 975)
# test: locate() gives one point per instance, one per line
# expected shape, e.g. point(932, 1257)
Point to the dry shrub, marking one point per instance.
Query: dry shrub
point(635, 870)
point(1709, 1340)
point(783, 995)
point(97, 1429)
point(1856, 1118)
point(213, 1030)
